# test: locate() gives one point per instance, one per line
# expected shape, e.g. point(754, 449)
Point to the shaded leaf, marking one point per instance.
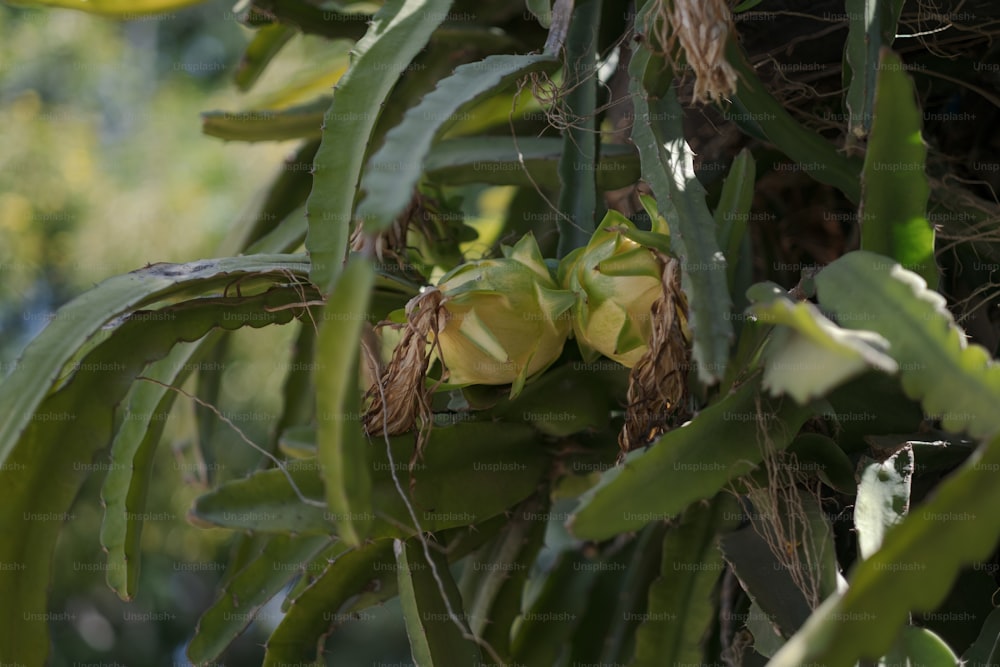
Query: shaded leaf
point(895, 190)
point(397, 33)
point(395, 169)
point(872, 27)
point(668, 168)
point(690, 463)
point(435, 621)
point(681, 605)
point(342, 449)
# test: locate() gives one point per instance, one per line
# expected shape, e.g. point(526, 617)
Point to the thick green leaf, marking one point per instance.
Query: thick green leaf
point(627, 587)
point(872, 26)
point(923, 647)
point(786, 558)
point(266, 44)
point(913, 570)
point(454, 485)
point(883, 498)
point(342, 448)
point(435, 622)
point(528, 161)
point(690, 463)
point(284, 202)
point(951, 378)
point(300, 122)
point(130, 471)
point(732, 214)
point(541, 10)
point(894, 195)
point(119, 9)
point(767, 639)
point(281, 558)
point(578, 197)
point(299, 638)
point(759, 114)
point(821, 455)
point(37, 371)
point(681, 605)
point(667, 166)
point(493, 579)
point(309, 18)
point(396, 167)
point(808, 355)
point(985, 651)
point(398, 32)
point(298, 392)
point(268, 501)
point(210, 369)
point(49, 463)
point(544, 630)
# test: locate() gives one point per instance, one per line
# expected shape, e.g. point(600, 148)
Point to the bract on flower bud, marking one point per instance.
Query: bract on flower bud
point(505, 319)
point(615, 281)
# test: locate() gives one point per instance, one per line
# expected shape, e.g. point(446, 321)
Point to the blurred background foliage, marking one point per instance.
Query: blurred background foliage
point(104, 168)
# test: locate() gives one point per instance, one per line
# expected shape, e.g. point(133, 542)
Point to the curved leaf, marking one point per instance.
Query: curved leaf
point(894, 187)
point(397, 33)
point(312, 615)
point(124, 491)
point(37, 370)
point(808, 355)
point(282, 558)
point(432, 624)
point(47, 466)
point(951, 378)
point(667, 167)
point(690, 463)
point(470, 472)
point(528, 161)
point(121, 9)
point(266, 44)
point(681, 609)
point(396, 167)
point(342, 449)
point(299, 122)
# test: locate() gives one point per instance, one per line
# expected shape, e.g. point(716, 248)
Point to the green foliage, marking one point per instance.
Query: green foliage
point(667, 166)
point(873, 26)
point(689, 464)
point(761, 514)
point(681, 609)
point(894, 185)
point(341, 447)
point(397, 34)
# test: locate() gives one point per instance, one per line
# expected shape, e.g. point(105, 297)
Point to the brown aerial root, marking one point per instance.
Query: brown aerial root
point(702, 28)
point(657, 388)
point(782, 516)
point(401, 400)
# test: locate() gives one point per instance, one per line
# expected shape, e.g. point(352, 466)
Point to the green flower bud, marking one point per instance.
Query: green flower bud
point(615, 281)
point(504, 320)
